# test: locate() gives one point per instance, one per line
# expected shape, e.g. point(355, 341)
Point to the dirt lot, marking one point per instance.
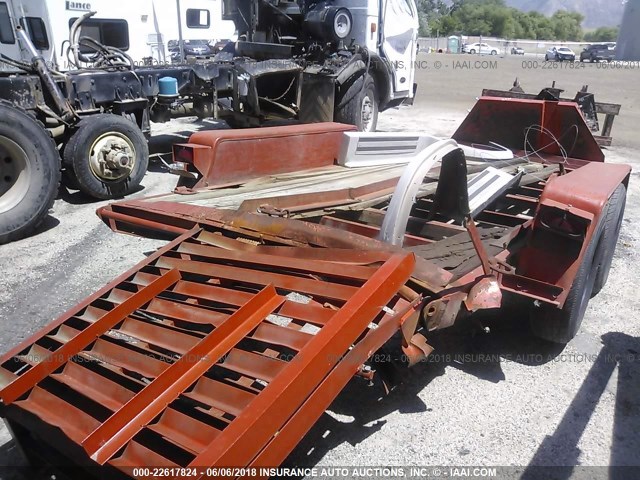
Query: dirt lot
point(500, 399)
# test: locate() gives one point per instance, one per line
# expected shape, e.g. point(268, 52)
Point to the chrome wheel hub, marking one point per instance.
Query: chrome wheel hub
point(367, 114)
point(112, 157)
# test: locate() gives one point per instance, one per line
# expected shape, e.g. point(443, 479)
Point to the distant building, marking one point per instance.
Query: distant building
point(628, 47)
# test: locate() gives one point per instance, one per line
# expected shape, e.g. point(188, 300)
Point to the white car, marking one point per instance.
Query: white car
point(560, 54)
point(482, 48)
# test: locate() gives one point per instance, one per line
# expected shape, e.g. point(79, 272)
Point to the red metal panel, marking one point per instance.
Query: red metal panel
point(239, 155)
point(293, 264)
point(255, 277)
point(185, 431)
point(506, 121)
point(307, 312)
point(75, 423)
point(58, 357)
point(220, 395)
point(104, 290)
point(136, 455)
point(155, 377)
point(587, 188)
point(114, 433)
point(241, 441)
point(583, 193)
point(369, 230)
point(94, 386)
point(301, 422)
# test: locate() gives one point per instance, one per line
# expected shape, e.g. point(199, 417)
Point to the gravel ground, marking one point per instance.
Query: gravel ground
point(501, 399)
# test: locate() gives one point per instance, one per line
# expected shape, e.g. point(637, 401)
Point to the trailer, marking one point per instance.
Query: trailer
point(303, 62)
point(216, 354)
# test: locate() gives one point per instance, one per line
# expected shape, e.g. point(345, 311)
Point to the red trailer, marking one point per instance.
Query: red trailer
point(286, 271)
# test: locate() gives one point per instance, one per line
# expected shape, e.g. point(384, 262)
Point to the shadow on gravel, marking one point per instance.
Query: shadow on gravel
point(47, 224)
point(14, 465)
point(622, 353)
point(466, 347)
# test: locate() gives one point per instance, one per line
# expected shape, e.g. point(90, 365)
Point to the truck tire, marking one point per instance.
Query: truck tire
point(359, 105)
point(30, 166)
point(561, 325)
point(614, 211)
point(109, 156)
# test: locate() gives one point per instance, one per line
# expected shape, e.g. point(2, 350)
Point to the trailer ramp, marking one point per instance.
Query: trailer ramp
point(200, 357)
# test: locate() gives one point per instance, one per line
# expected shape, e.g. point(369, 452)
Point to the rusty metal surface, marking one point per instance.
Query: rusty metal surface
point(580, 195)
point(201, 356)
point(239, 155)
point(452, 251)
point(135, 216)
point(507, 121)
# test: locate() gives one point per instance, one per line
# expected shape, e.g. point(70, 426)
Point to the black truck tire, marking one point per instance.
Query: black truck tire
point(111, 137)
point(358, 105)
point(561, 325)
point(614, 211)
point(30, 173)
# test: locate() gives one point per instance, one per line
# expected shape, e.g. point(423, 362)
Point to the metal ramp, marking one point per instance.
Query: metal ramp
point(202, 357)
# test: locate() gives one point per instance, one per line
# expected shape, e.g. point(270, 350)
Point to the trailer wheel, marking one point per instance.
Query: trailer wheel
point(561, 325)
point(614, 211)
point(359, 105)
point(109, 156)
point(30, 173)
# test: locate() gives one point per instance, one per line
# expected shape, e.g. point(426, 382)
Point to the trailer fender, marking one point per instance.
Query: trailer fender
point(566, 221)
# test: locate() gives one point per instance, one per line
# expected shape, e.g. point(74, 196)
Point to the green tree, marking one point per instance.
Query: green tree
point(493, 17)
point(602, 34)
point(566, 25)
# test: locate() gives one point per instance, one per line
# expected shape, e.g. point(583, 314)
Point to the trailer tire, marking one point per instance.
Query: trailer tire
point(30, 173)
point(358, 105)
point(614, 211)
point(561, 325)
point(113, 136)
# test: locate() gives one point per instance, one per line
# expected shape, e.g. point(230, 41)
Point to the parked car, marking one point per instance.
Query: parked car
point(482, 48)
point(599, 51)
point(560, 54)
point(192, 48)
point(517, 51)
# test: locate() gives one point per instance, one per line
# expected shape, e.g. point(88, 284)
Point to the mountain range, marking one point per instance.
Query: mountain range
point(597, 13)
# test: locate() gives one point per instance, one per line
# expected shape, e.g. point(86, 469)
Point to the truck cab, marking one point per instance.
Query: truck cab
point(357, 57)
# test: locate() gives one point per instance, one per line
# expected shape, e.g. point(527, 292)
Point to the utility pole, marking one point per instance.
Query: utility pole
point(180, 42)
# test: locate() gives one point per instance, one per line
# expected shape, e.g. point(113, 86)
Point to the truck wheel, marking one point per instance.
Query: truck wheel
point(561, 325)
point(109, 156)
point(614, 211)
point(30, 166)
point(359, 106)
